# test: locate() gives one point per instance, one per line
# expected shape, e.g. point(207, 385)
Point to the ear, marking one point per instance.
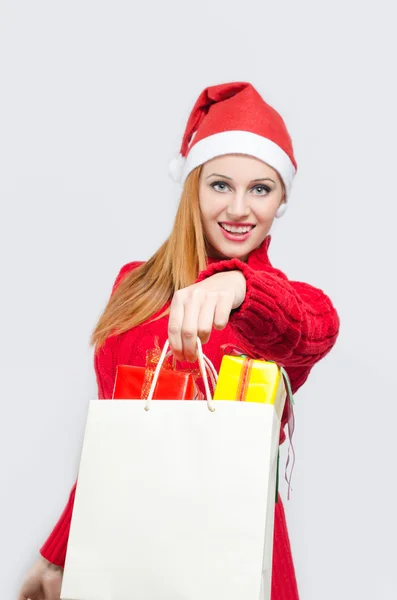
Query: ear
point(281, 209)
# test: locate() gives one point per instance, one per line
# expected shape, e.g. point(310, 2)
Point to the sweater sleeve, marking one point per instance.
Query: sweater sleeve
point(54, 548)
point(290, 322)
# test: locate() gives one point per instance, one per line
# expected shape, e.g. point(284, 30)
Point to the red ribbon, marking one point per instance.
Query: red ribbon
point(152, 358)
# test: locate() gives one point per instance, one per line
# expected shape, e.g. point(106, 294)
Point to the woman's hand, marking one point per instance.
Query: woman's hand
point(43, 582)
point(196, 309)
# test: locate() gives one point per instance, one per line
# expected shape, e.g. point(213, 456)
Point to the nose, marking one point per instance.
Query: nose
point(238, 206)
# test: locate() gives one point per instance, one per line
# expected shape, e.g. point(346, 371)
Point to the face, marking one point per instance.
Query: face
point(238, 196)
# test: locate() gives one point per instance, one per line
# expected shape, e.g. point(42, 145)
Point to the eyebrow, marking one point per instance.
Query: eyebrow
point(252, 180)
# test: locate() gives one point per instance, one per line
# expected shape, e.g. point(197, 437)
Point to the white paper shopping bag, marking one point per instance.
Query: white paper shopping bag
point(175, 502)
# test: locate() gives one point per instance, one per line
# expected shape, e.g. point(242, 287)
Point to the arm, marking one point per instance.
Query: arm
point(290, 322)
point(54, 548)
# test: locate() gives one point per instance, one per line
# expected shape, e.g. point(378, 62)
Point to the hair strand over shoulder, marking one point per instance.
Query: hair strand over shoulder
point(146, 289)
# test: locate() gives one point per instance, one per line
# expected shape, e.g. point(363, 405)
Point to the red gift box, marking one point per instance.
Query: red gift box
point(134, 383)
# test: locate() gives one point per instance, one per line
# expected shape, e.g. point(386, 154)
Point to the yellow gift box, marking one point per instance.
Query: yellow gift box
point(245, 379)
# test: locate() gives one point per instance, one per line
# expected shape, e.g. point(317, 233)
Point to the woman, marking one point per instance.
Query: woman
point(213, 278)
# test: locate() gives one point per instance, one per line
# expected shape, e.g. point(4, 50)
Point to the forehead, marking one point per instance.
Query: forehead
point(239, 166)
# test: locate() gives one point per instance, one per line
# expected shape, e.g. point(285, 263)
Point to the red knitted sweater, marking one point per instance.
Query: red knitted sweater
point(292, 323)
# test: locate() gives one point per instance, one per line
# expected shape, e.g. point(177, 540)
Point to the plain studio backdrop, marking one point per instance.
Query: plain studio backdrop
point(94, 100)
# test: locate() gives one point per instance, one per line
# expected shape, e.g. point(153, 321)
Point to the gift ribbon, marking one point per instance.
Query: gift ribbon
point(205, 364)
point(245, 375)
point(243, 386)
point(152, 358)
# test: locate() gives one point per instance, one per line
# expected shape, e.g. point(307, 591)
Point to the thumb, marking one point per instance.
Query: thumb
point(30, 590)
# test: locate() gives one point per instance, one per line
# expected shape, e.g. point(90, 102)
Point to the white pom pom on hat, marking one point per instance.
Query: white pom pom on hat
point(281, 210)
point(175, 167)
point(232, 118)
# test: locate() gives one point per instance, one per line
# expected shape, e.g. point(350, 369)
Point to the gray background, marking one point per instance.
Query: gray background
point(94, 100)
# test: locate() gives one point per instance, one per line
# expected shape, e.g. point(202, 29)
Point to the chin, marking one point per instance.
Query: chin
point(224, 251)
point(219, 247)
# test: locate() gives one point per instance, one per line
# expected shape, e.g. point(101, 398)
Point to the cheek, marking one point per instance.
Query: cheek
point(209, 209)
point(266, 212)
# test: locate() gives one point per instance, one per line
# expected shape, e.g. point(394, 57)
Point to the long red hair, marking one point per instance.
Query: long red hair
point(176, 264)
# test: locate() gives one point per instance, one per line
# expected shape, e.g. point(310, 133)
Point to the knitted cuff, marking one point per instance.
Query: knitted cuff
point(233, 264)
point(270, 317)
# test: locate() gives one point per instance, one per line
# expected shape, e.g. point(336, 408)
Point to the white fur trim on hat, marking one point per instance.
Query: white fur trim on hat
point(239, 142)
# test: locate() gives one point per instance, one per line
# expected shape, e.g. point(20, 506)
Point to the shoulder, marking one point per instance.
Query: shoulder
point(125, 269)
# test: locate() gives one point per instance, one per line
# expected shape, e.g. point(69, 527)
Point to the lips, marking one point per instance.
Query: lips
point(236, 237)
point(235, 227)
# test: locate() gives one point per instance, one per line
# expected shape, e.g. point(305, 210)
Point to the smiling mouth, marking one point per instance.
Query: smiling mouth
point(237, 230)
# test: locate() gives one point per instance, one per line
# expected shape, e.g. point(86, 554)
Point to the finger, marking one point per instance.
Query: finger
point(190, 322)
point(177, 311)
point(223, 309)
point(206, 317)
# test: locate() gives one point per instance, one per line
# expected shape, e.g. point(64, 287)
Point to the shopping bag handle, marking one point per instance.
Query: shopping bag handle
point(203, 361)
point(210, 369)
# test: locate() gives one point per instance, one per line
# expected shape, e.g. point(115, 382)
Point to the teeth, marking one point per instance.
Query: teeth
point(237, 229)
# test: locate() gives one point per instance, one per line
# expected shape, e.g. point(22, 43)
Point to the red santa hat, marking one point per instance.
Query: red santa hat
point(233, 118)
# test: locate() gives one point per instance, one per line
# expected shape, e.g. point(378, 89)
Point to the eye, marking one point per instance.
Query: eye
point(262, 188)
point(221, 186)
point(219, 183)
